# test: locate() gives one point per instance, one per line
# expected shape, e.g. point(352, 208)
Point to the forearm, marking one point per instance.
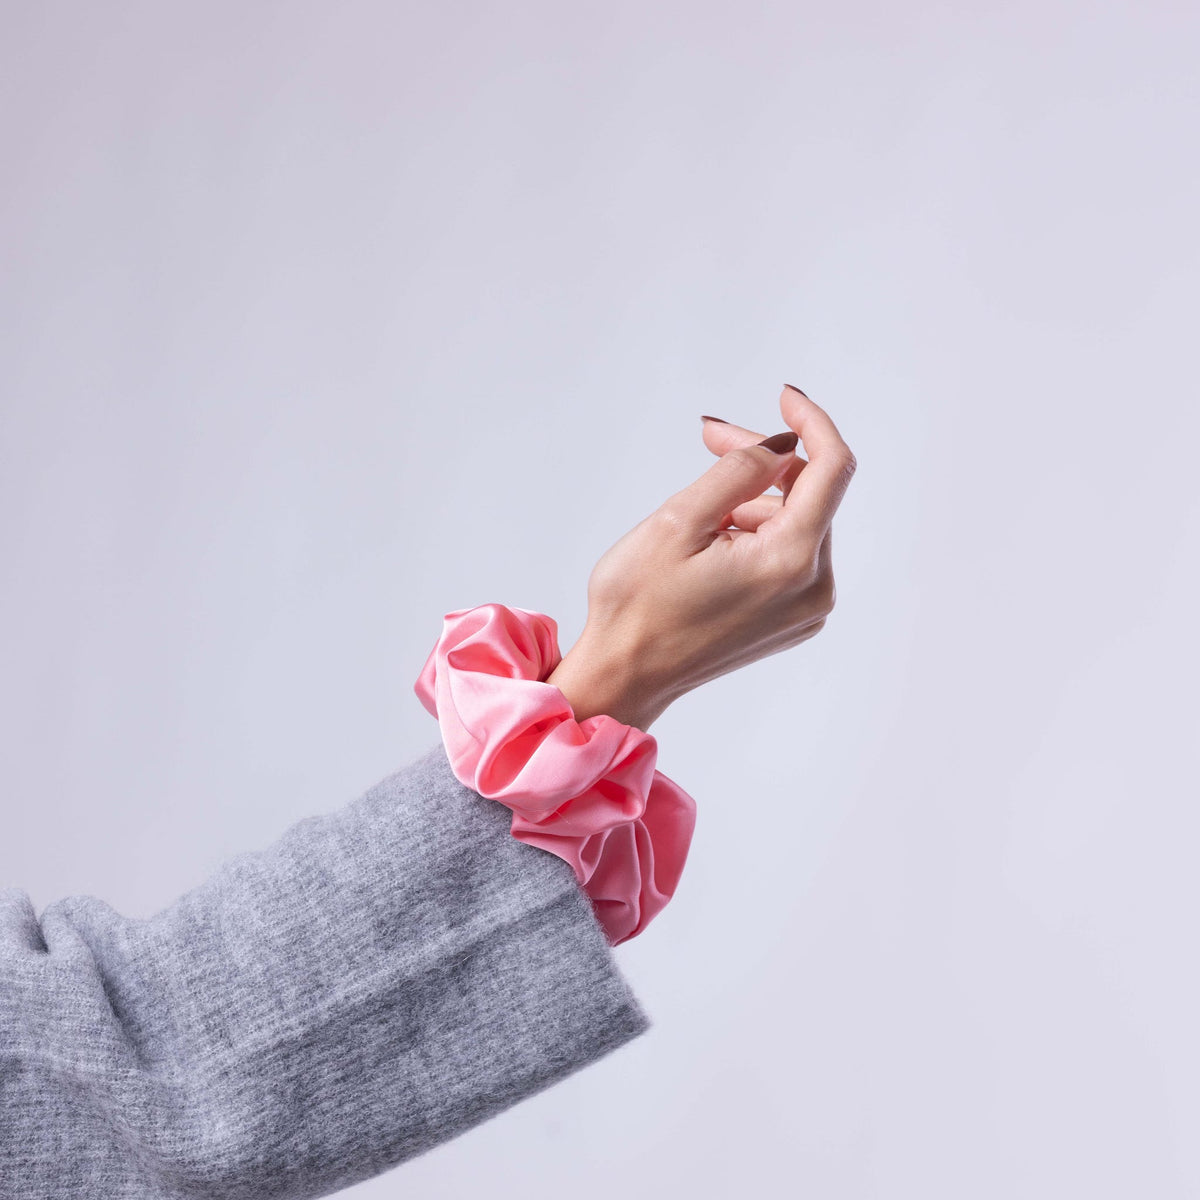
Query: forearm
point(377, 981)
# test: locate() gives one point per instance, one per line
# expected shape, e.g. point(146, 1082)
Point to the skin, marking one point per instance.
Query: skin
point(723, 573)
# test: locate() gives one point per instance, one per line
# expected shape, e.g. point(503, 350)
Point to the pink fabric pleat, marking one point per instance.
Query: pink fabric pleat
point(586, 790)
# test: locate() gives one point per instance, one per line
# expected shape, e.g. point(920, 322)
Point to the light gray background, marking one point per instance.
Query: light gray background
point(322, 320)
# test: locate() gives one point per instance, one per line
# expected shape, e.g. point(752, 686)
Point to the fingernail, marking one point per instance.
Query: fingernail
point(781, 443)
point(794, 389)
point(703, 417)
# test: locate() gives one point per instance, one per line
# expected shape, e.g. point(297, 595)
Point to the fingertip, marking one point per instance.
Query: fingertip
point(781, 443)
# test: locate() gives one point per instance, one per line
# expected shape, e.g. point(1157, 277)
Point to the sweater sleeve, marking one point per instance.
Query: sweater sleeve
point(379, 980)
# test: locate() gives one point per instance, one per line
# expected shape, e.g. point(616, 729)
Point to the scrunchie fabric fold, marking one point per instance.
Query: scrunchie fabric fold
point(586, 790)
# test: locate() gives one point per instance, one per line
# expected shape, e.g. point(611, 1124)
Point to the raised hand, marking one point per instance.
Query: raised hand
point(722, 573)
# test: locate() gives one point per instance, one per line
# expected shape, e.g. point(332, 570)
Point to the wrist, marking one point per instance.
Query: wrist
point(599, 680)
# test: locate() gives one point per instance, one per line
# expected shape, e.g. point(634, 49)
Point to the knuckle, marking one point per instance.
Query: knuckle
point(800, 575)
point(739, 463)
point(790, 568)
point(671, 516)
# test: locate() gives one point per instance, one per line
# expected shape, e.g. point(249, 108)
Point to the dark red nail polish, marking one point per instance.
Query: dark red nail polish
point(781, 443)
point(795, 389)
point(704, 417)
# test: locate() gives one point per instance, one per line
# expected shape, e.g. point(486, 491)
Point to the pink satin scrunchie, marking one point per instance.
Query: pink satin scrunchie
point(585, 790)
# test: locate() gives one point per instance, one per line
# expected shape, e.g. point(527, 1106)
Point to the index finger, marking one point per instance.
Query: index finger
point(721, 436)
point(818, 490)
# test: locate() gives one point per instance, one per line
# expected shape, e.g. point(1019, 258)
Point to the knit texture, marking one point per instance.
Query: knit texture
point(379, 980)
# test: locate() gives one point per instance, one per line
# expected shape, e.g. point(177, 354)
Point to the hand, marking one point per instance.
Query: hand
point(723, 573)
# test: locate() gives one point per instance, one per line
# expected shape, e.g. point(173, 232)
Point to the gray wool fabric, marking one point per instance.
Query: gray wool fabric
point(377, 981)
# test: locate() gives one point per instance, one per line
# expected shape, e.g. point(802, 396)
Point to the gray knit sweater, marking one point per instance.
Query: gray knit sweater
point(377, 981)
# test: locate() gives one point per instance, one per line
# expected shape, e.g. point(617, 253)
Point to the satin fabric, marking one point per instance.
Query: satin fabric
point(586, 790)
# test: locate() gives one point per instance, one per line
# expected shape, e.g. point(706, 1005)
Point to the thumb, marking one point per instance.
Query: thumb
point(738, 475)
